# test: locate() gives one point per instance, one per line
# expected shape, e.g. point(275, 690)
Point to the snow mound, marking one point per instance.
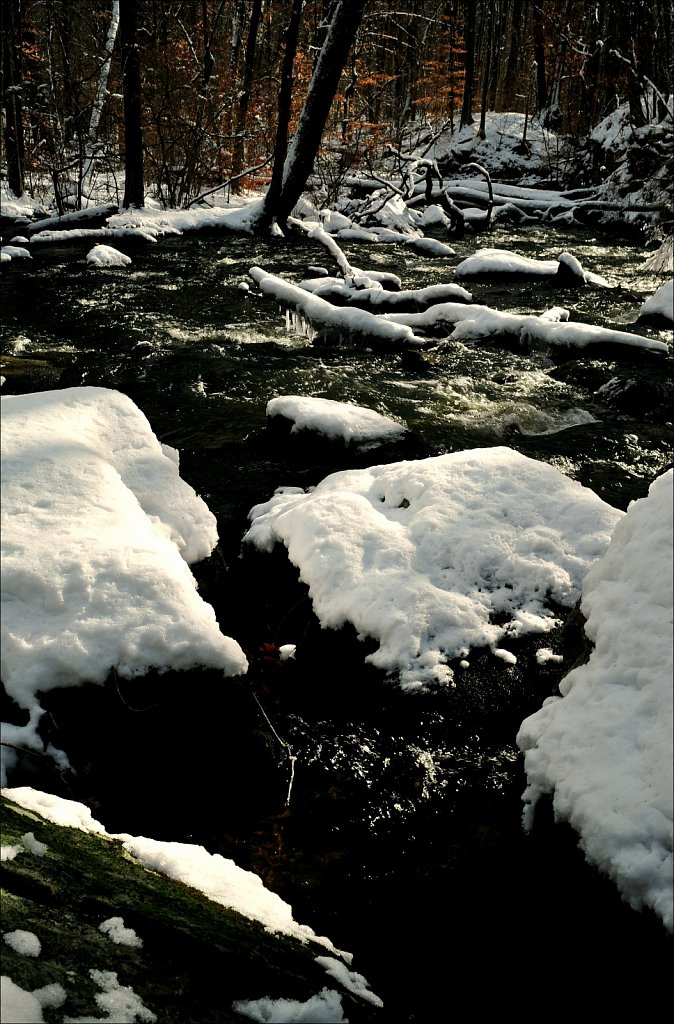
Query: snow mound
point(423, 556)
point(107, 256)
point(336, 420)
point(502, 261)
point(604, 750)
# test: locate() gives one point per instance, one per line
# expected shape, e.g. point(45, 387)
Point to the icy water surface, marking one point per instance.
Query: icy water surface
point(403, 840)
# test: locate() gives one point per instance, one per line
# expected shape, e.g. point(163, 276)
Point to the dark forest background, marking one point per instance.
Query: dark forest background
point(196, 85)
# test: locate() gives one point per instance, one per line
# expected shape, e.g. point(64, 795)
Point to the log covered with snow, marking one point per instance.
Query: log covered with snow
point(155, 930)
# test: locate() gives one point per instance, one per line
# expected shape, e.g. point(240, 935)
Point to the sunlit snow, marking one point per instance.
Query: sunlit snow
point(334, 419)
point(423, 556)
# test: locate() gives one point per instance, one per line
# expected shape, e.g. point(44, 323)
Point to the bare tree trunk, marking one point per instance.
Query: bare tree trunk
point(239, 154)
point(486, 67)
point(467, 108)
point(272, 204)
point(539, 57)
point(282, 196)
point(12, 81)
point(134, 192)
point(507, 86)
point(99, 102)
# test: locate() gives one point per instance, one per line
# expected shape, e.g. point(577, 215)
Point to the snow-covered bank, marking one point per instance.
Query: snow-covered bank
point(98, 533)
point(604, 749)
point(424, 556)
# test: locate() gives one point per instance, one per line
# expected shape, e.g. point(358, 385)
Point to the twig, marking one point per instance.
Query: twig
point(291, 757)
point(249, 170)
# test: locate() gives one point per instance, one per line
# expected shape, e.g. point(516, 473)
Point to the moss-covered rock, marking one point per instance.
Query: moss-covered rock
point(196, 958)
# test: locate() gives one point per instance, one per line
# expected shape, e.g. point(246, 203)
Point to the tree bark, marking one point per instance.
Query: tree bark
point(291, 171)
point(134, 191)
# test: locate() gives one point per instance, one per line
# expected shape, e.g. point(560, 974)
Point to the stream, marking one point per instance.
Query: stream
point(402, 840)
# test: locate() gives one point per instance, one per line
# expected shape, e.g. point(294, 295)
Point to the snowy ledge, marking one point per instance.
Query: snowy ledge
point(604, 749)
point(427, 557)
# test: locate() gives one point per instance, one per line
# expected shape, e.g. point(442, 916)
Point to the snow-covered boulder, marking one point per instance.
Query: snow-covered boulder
point(13, 252)
point(604, 749)
point(435, 557)
point(98, 529)
point(335, 420)
point(503, 263)
point(660, 306)
point(107, 256)
point(191, 909)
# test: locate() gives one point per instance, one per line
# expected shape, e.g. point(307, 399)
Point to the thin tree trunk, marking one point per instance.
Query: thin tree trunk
point(467, 108)
point(12, 81)
point(99, 102)
point(134, 192)
point(539, 57)
point(486, 68)
point(239, 154)
point(272, 204)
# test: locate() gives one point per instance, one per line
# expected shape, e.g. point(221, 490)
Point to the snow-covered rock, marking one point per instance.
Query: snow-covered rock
point(604, 749)
point(107, 256)
point(423, 556)
point(335, 420)
point(97, 533)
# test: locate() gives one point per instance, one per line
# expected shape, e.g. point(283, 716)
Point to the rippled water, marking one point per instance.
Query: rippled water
point(404, 815)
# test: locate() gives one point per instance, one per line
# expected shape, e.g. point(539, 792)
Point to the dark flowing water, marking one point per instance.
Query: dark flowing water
point(402, 840)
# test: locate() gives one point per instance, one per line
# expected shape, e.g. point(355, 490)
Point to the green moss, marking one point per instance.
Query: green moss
point(197, 956)
point(34, 373)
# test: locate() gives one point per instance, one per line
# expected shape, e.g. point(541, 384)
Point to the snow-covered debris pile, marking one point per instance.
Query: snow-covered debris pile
point(604, 749)
point(107, 256)
point(384, 300)
point(424, 556)
point(636, 159)
point(336, 420)
point(98, 529)
point(331, 321)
